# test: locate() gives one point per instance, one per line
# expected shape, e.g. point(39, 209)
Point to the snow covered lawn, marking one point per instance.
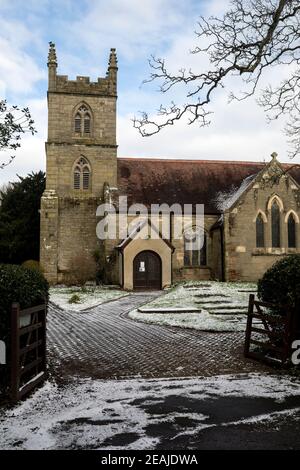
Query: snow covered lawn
point(143, 414)
point(222, 306)
point(88, 297)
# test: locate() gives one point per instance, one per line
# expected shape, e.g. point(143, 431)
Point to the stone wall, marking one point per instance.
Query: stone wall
point(181, 272)
point(216, 260)
point(243, 261)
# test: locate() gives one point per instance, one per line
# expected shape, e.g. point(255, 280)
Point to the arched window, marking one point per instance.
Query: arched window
point(291, 231)
point(77, 173)
point(82, 121)
point(86, 178)
point(82, 174)
point(87, 123)
point(194, 256)
point(78, 123)
point(260, 232)
point(275, 214)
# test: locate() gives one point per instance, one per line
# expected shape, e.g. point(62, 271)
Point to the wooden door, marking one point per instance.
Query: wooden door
point(147, 271)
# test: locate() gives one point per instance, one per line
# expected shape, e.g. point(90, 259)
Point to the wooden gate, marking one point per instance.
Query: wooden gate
point(271, 335)
point(147, 271)
point(28, 349)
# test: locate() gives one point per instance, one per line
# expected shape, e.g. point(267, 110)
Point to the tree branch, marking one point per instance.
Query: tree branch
point(252, 36)
point(14, 122)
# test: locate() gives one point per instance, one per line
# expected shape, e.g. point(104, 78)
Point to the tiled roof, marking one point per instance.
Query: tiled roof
point(156, 181)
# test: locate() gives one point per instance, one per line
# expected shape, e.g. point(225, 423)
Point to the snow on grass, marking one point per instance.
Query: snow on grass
point(89, 296)
point(199, 321)
point(88, 414)
point(168, 309)
point(223, 306)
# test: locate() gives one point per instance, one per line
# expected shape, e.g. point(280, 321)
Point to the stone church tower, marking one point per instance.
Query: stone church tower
point(81, 161)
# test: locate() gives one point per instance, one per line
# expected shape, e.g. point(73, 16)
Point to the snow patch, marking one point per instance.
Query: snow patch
point(88, 414)
point(89, 297)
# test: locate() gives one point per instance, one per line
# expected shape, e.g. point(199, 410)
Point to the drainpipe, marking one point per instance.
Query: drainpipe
point(222, 253)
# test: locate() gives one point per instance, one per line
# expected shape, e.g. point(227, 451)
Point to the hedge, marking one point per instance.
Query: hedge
point(27, 287)
point(281, 283)
point(32, 264)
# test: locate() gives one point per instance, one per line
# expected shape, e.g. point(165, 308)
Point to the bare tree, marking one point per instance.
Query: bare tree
point(14, 122)
point(251, 37)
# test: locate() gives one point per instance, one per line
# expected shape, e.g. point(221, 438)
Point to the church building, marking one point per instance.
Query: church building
point(251, 210)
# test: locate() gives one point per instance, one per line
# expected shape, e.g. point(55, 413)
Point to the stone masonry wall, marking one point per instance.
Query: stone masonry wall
point(243, 261)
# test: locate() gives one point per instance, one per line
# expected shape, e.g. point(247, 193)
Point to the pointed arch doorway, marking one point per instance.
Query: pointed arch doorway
point(147, 271)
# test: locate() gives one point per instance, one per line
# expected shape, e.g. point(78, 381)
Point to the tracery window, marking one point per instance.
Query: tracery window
point(82, 121)
point(260, 232)
point(82, 174)
point(194, 256)
point(275, 220)
point(291, 225)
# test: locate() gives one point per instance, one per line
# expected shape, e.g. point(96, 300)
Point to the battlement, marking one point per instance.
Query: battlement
point(83, 85)
point(104, 86)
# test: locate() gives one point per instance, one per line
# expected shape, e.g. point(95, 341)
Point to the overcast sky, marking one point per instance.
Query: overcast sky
point(84, 31)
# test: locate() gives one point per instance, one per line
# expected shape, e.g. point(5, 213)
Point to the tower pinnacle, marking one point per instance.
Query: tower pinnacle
point(113, 61)
point(52, 66)
point(112, 71)
point(52, 60)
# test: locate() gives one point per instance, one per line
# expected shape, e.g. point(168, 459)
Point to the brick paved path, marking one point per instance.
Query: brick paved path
point(104, 343)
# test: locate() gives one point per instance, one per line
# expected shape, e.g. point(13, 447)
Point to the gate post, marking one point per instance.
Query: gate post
point(289, 332)
point(44, 333)
point(249, 324)
point(292, 327)
point(15, 351)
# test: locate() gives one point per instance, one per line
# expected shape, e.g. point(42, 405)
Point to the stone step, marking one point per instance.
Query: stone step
point(229, 312)
point(228, 307)
point(169, 310)
point(196, 286)
point(215, 302)
point(211, 295)
point(249, 291)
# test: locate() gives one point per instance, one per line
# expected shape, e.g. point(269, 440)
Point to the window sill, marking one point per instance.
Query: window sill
point(259, 251)
point(273, 251)
point(81, 193)
point(194, 267)
point(86, 136)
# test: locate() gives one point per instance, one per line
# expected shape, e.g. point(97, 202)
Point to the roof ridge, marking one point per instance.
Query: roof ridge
point(196, 160)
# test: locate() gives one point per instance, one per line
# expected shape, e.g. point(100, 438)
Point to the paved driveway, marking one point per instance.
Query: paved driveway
point(237, 411)
point(104, 343)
